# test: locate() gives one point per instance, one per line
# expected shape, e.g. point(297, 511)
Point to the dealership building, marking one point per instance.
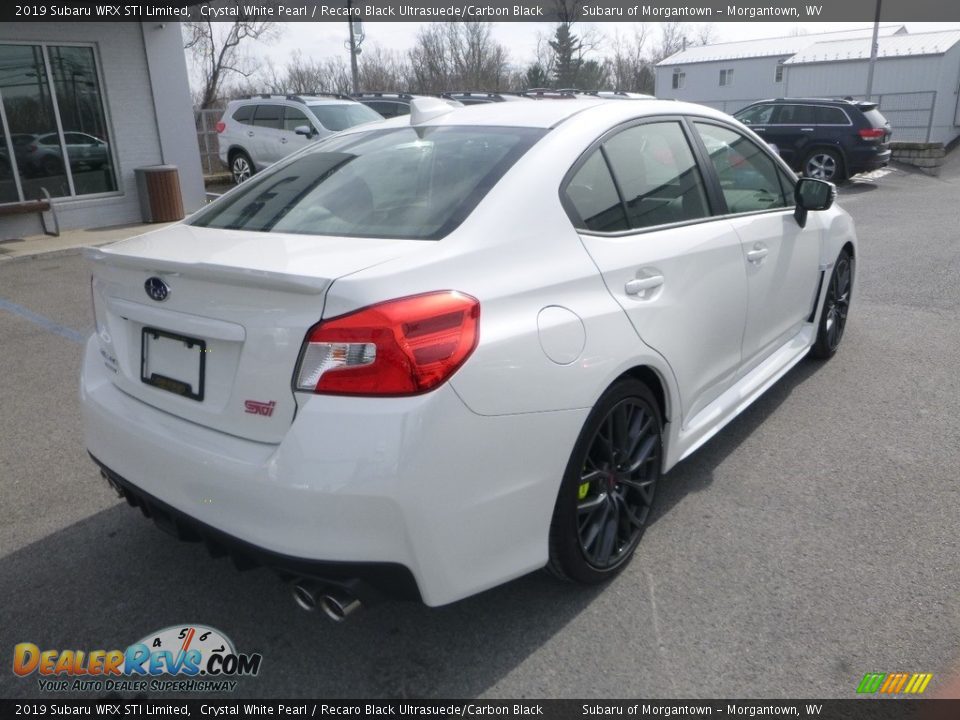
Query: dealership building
point(82, 106)
point(916, 78)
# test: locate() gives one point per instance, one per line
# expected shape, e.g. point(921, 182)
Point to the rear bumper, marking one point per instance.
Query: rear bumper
point(367, 581)
point(867, 160)
point(461, 501)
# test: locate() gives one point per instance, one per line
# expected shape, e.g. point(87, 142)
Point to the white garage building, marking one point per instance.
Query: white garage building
point(916, 79)
point(729, 75)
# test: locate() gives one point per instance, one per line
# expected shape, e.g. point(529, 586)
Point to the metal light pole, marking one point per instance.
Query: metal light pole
point(873, 51)
point(354, 49)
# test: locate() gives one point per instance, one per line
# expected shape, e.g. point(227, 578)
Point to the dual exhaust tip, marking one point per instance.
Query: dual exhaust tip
point(335, 603)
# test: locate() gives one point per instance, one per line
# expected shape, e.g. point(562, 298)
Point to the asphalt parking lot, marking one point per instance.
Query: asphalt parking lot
point(814, 540)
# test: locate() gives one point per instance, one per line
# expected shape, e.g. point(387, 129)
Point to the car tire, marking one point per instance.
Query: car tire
point(241, 167)
point(609, 486)
point(824, 164)
point(836, 306)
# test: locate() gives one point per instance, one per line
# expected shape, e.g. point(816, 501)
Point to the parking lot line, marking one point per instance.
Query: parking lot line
point(41, 321)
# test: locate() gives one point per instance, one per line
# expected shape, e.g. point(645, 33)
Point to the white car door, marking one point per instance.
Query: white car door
point(289, 140)
point(782, 260)
point(268, 128)
point(642, 210)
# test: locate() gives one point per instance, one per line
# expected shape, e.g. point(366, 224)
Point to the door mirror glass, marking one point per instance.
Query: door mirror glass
point(304, 130)
point(811, 194)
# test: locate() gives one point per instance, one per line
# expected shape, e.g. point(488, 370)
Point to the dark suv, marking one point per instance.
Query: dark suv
point(821, 138)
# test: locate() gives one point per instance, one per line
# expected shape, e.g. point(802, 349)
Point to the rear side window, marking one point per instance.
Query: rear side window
point(654, 168)
point(341, 117)
point(875, 118)
point(795, 115)
point(593, 195)
point(243, 114)
point(748, 176)
point(831, 116)
point(407, 183)
point(268, 116)
point(757, 115)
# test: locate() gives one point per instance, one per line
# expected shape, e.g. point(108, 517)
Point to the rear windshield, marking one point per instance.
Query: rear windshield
point(341, 117)
point(875, 118)
point(405, 183)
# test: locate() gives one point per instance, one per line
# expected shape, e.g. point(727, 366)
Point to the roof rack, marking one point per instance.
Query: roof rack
point(401, 95)
point(295, 98)
point(473, 93)
point(549, 93)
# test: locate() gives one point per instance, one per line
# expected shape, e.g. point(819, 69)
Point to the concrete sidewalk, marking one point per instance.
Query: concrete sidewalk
point(71, 239)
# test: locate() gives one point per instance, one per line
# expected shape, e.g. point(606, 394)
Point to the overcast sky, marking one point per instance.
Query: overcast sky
point(320, 40)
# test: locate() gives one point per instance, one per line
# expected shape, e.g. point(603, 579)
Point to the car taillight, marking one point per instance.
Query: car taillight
point(872, 133)
point(221, 126)
point(399, 347)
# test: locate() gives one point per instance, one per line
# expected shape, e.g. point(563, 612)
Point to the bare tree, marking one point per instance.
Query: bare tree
point(451, 56)
point(382, 69)
point(627, 65)
point(218, 50)
point(676, 36)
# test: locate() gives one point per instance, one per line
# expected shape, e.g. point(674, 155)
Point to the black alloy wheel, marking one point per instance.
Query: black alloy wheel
point(609, 487)
point(836, 306)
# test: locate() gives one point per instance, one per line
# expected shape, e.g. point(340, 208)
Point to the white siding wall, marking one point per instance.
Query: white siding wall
point(131, 116)
point(899, 79)
point(753, 79)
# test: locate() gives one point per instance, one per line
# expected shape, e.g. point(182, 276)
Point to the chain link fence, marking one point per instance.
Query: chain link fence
point(208, 139)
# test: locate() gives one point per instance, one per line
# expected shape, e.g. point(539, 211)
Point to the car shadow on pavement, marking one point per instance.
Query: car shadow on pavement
point(695, 473)
point(112, 579)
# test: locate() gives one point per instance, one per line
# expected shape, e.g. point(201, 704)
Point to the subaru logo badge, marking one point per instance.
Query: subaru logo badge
point(157, 289)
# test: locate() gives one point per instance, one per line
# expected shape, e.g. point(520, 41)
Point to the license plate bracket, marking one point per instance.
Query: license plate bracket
point(167, 362)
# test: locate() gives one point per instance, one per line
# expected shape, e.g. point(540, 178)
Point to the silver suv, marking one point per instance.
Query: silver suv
point(259, 130)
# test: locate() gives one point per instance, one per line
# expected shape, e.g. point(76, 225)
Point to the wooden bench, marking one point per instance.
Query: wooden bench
point(44, 205)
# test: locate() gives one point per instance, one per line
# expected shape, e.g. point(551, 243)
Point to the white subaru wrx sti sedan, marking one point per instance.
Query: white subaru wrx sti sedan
point(429, 355)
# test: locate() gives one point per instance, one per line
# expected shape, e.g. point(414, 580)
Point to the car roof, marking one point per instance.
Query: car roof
point(806, 101)
point(550, 114)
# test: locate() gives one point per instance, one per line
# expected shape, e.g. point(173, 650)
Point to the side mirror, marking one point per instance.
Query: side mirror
point(304, 130)
point(812, 194)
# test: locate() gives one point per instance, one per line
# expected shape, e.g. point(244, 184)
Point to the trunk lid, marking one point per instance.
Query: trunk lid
point(221, 348)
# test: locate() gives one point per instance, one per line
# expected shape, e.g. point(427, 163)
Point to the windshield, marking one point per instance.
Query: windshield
point(341, 117)
point(405, 183)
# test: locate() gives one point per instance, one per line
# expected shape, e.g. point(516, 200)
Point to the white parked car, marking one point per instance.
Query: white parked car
point(431, 355)
point(260, 130)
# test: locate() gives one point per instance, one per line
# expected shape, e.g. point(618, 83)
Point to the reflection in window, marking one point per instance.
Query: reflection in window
point(52, 140)
point(81, 115)
point(595, 197)
point(655, 170)
point(748, 176)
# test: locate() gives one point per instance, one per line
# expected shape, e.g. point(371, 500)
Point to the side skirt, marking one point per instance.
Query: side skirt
point(709, 421)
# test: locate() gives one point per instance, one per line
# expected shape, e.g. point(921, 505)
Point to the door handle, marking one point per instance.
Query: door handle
point(806, 129)
point(758, 129)
point(758, 253)
point(641, 285)
point(283, 140)
point(249, 133)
